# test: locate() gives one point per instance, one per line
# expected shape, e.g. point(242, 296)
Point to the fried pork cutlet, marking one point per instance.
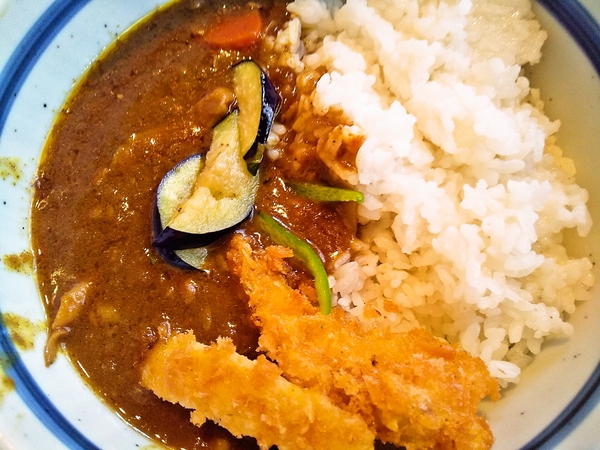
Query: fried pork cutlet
point(412, 389)
point(248, 397)
point(332, 384)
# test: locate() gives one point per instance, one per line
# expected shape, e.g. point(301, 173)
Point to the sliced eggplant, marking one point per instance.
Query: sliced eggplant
point(205, 198)
point(198, 205)
point(258, 102)
point(177, 186)
point(192, 257)
point(224, 191)
point(174, 188)
point(177, 258)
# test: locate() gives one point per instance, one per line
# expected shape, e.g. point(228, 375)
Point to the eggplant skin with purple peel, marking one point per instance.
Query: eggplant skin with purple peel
point(171, 256)
point(174, 188)
point(206, 197)
point(197, 200)
point(258, 102)
point(224, 191)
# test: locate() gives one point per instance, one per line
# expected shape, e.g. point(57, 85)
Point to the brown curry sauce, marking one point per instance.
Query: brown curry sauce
point(133, 117)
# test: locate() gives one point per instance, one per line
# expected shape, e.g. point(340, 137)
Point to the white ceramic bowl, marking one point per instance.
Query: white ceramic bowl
point(45, 46)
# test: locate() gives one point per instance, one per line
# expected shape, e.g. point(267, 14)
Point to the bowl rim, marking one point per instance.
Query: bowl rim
point(13, 75)
point(585, 31)
point(572, 16)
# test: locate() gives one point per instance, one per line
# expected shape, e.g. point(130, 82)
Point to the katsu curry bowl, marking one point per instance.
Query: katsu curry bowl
point(295, 225)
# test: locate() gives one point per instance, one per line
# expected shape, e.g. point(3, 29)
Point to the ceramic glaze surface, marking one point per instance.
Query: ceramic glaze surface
point(46, 46)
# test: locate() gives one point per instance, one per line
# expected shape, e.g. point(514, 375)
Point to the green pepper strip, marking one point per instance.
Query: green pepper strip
point(327, 193)
point(303, 252)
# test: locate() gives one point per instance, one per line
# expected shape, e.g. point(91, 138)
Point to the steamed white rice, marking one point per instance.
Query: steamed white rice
point(467, 193)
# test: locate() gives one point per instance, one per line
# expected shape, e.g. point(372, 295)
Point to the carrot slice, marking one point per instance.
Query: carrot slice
point(235, 31)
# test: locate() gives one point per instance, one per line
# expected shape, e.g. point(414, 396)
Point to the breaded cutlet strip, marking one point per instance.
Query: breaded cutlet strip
point(249, 398)
point(413, 389)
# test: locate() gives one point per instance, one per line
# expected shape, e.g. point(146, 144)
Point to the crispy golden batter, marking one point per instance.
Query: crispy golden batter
point(249, 397)
point(343, 385)
point(412, 389)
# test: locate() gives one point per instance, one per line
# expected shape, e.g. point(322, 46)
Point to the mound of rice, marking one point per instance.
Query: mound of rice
point(467, 193)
